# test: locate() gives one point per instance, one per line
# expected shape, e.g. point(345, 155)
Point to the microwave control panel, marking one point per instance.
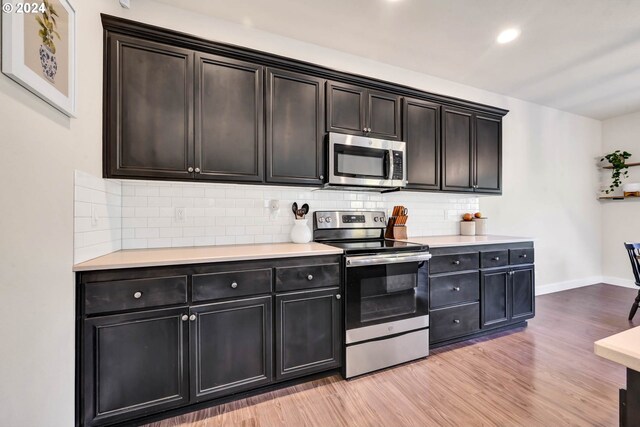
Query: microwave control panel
point(398, 165)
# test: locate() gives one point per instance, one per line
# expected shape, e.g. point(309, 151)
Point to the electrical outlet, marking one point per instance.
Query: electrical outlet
point(180, 214)
point(274, 205)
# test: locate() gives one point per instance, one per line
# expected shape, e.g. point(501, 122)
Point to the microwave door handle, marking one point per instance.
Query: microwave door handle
point(390, 164)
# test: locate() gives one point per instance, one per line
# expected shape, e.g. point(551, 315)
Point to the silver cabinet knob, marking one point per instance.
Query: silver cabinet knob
point(137, 295)
point(192, 317)
point(338, 296)
point(184, 318)
point(456, 288)
point(523, 256)
point(321, 177)
point(456, 262)
point(234, 285)
point(189, 169)
point(364, 129)
point(197, 170)
point(310, 277)
point(496, 258)
point(456, 321)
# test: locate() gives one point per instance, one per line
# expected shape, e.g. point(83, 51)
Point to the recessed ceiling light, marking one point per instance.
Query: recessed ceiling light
point(508, 35)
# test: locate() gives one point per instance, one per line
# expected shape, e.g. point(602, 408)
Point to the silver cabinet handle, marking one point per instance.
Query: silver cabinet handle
point(456, 321)
point(192, 317)
point(321, 177)
point(234, 285)
point(137, 295)
point(523, 256)
point(456, 262)
point(197, 170)
point(310, 277)
point(184, 318)
point(456, 288)
point(338, 296)
point(497, 258)
point(189, 169)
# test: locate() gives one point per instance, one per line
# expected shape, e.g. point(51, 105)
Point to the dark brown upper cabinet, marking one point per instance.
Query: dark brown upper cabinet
point(149, 109)
point(229, 135)
point(471, 152)
point(421, 132)
point(295, 128)
point(359, 111)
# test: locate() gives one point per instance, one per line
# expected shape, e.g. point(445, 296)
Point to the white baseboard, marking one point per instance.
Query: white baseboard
point(569, 284)
point(618, 281)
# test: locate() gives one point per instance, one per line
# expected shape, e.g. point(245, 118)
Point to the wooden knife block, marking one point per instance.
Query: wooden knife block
point(397, 232)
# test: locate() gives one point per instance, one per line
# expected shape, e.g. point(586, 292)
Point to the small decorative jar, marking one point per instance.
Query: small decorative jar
point(467, 228)
point(481, 226)
point(300, 233)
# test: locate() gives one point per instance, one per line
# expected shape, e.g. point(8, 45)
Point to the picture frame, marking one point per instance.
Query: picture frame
point(39, 49)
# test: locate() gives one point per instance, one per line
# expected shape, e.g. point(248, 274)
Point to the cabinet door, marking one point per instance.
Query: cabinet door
point(422, 135)
point(488, 168)
point(134, 364)
point(346, 108)
point(149, 109)
point(229, 119)
point(522, 294)
point(495, 298)
point(230, 347)
point(383, 115)
point(295, 129)
point(308, 332)
point(457, 150)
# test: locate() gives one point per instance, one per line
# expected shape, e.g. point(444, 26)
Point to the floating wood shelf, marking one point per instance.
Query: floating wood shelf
point(628, 164)
point(618, 198)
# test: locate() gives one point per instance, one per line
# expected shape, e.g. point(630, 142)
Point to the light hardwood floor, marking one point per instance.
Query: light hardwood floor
point(542, 375)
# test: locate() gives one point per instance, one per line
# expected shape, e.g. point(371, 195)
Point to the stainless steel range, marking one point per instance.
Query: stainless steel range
point(386, 290)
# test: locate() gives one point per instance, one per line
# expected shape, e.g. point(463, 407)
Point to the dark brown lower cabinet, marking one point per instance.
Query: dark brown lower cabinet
point(507, 296)
point(308, 332)
point(135, 364)
point(230, 347)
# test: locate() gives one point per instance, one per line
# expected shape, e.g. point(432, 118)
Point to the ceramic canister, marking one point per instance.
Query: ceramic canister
point(467, 228)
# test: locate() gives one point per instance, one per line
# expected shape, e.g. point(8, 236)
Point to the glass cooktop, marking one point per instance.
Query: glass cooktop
point(375, 246)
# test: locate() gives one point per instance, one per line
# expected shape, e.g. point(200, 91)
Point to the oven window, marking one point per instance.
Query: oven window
point(377, 294)
point(360, 162)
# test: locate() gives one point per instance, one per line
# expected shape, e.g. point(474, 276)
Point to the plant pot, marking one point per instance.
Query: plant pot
point(49, 63)
point(300, 233)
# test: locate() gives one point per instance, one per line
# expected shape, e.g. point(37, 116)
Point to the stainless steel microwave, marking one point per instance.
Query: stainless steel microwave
point(360, 161)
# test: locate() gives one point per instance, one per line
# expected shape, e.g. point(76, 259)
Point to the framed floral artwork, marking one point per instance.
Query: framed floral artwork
point(39, 49)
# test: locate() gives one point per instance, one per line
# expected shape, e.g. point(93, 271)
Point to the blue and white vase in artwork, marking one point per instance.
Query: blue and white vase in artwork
point(49, 63)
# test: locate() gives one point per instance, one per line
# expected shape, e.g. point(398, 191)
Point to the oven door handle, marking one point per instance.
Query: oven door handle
point(365, 260)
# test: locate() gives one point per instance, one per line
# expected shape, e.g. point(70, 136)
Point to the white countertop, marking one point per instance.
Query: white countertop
point(202, 254)
point(443, 241)
point(623, 348)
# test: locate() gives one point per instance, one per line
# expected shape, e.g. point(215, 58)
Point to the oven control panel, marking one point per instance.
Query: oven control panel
point(349, 219)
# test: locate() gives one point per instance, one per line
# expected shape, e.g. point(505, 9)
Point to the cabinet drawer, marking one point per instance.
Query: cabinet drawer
point(307, 276)
point(454, 289)
point(120, 295)
point(231, 284)
point(494, 259)
point(456, 262)
point(454, 322)
point(521, 256)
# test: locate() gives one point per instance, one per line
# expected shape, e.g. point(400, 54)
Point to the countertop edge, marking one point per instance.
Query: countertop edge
point(498, 240)
point(78, 268)
point(617, 354)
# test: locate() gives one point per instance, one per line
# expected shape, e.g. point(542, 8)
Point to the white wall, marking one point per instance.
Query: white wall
point(620, 219)
point(548, 195)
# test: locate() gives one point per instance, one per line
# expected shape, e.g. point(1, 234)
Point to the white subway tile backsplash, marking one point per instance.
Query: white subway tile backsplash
point(140, 214)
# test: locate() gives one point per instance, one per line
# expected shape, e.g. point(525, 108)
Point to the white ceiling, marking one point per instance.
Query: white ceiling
point(581, 56)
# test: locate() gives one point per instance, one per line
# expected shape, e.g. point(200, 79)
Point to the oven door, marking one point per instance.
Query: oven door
point(365, 161)
point(386, 295)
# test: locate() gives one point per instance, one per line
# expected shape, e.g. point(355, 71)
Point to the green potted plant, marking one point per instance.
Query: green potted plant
point(47, 22)
point(620, 169)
